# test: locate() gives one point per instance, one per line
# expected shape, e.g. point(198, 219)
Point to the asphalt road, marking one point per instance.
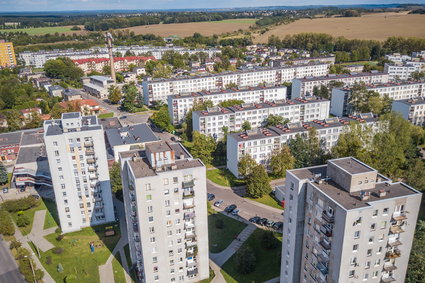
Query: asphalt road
point(9, 272)
point(247, 209)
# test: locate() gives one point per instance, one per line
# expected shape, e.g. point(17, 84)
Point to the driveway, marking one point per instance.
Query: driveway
point(248, 208)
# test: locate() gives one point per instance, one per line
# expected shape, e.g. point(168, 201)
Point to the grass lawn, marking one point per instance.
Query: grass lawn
point(223, 177)
point(219, 239)
point(268, 200)
point(227, 277)
point(30, 214)
point(360, 63)
point(38, 31)
point(127, 255)
point(267, 266)
point(76, 257)
point(212, 275)
point(105, 115)
point(118, 269)
point(52, 218)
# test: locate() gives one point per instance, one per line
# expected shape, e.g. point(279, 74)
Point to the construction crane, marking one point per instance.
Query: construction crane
point(109, 39)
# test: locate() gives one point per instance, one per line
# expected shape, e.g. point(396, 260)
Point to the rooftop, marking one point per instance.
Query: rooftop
point(341, 76)
point(109, 123)
point(412, 101)
point(32, 137)
point(12, 138)
point(140, 133)
point(31, 154)
point(352, 165)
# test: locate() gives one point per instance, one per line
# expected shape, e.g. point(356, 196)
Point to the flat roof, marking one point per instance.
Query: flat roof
point(109, 123)
point(32, 137)
point(340, 76)
point(140, 133)
point(412, 101)
point(352, 165)
point(10, 138)
point(31, 154)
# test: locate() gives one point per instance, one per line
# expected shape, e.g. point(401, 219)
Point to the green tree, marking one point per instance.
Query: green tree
point(203, 147)
point(417, 75)
point(363, 100)
point(245, 260)
point(114, 95)
point(415, 175)
point(23, 221)
point(268, 240)
point(188, 120)
point(281, 161)
point(274, 120)
point(416, 270)
point(62, 68)
point(130, 98)
point(258, 182)
point(3, 174)
point(115, 177)
point(161, 119)
point(246, 165)
point(6, 224)
point(161, 71)
point(246, 125)
point(231, 102)
point(355, 141)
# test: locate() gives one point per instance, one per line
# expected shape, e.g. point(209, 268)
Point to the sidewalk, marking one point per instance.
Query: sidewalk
point(273, 280)
point(37, 232)
point(218, 278)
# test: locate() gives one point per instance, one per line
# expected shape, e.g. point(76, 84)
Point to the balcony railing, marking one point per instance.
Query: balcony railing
point(192, 273)
point(188, 205)
point(389, 267)
point(190, 236)
point(322, 268)
point(327, 217)
point(388, 279)
point(191, 243)
point(326, 229)
point(396, 229)
point(325, 244)
point(394, 243)
point(188, 193)
point(393, 254)
point(190, 215)
point(399, 216)
point(189, 184)
point(88, 144)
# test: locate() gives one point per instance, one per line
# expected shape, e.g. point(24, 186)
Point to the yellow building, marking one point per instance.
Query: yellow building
point(7, 54)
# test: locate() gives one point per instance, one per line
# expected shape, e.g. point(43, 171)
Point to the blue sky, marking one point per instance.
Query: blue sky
point(61, 5)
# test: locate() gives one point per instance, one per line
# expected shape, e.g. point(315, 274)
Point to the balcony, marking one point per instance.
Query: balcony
point(323, 269)
point(396, 229)
point(323, 257)
point(93, 176)
point(188, 205)
point(191, 243)
point(90, 152)
point(188, 193)
point(91, 160)
point(192, 273)
point(92, 168)
point(88, 144)
point(394, 243)
point(388, 279)
point(189, 184)
point(327, 217)
point(399, 216)
point(325, 244)
point(393, 254)
point(190, 215)
point(190, 236)
point(326, 229)
point(389, 267)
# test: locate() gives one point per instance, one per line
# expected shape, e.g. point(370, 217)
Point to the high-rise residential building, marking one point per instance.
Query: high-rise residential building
point(7, 54)
point(345, 222)
point(412, 110)
point(75, 147)
point(166, 210)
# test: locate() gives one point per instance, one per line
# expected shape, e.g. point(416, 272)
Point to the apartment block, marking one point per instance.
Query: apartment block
point(304, 86)
point(211, 121)
point(7, 54)
point(301, 61)
point(166, 210)
point(345, 222)
point(340, 105)
point(160, 89)
point(412, 110)
point(261, 143)
point(180, 104)
point(403, 71)
point(75, 147)
point(120, 63)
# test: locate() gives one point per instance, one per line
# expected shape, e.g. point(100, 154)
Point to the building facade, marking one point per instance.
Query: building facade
point(120, 63)
point(180, 104)
point(211, 121)
point(261, 143)
point(166, 210)
point(403, 71)
point(412, 110)
point(340, 105)
point(7, 54)
point(346, 223)
point(75, 147)
point(98, 85)
point(305, 86)
point(160, 89)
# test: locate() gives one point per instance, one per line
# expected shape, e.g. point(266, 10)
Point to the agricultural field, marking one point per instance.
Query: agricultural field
point(188, 29)
point(45, 30)
point(378, 26)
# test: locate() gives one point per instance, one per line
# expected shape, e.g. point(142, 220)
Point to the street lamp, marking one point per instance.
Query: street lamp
point(32, 268)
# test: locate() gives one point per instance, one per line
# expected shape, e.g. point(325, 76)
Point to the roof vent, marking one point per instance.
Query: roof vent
point(364, 195)
point(383, 192)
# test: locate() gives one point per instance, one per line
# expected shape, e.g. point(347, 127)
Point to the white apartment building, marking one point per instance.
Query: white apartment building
point(166, 210)
point(345, 222)
point(301, 61)
point(180, 104)
point(397, 57)
point(304, 86)
point(160, 89)
point(403, 71)
point(395, 91)
point(412, 110)
point(75, 147)
point(211, 121)
point(261, 143)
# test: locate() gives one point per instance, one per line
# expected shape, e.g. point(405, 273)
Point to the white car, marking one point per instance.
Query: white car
point(218, 203)
point(235, 212)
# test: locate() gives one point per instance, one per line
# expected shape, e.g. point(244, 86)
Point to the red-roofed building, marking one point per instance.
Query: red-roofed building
point(27, 113)
point(121, 63)
point(85, 106)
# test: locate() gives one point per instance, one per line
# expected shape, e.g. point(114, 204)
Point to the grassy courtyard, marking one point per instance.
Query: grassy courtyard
point(219, 239)
point(268, 200)
point(105, 115)
point(118, 269)
point(267, 261)
point(223, 177)
point(74, 255)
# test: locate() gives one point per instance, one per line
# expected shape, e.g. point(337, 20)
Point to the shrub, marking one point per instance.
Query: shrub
point(59, 238)
point(219, 224)
point(57, 250)
point(268, 241)
point(23, 221)
point(21, 204)
point(49, 259)
point(6, 224)
point(245, 260)
point(15, 244)
point(19, 213)
point(58, 230)
point(70, 278)
point(22, 253)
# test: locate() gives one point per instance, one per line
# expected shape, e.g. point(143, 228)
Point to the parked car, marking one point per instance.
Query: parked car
point(254, 219)
point(270, 223)
point(235, 212)
point(210, 197)
point(218, 203)
point(278, 225)
point(262, 221)
point(230, 208)
point(5, 190)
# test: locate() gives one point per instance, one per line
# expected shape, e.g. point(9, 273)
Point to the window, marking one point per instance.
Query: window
point(168, 212)
point(169, 223)
point(56, 152)
point(378, 261)
point(62, 186)
point(148, 187)
point(148, 197)
point(167, 203)
point(356, 234)
point(55, 143)
point(370, 240)
point(351, 273)
point(381, 237)
point(365, 276)
point(367, 265)
point(379, 250)
point(369, 252)
point(355, 248)
point(64, 194)
point(383, 224)
point(358, 221)
point(66, 209)
point(150, 219)
point(166, 192)
point(151, 230)
point(375, 274)
point(152, 239)
point(175, 180)
point(154, 259)
point(169, 233)
point(150, 209)
point(165, 181)
point(385, 212)
point(373, 227)
point(353, 261)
